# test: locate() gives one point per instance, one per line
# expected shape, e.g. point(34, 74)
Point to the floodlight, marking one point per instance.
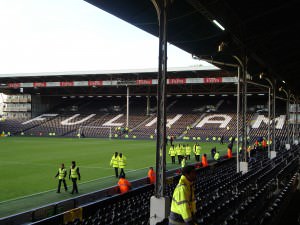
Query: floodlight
point(261, 75)
point(218, 25)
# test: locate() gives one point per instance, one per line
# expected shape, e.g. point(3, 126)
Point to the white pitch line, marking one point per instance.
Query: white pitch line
point(95, 167)
point(26, 163)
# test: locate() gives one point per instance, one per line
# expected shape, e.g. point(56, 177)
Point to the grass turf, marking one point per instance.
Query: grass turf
point(29, 165)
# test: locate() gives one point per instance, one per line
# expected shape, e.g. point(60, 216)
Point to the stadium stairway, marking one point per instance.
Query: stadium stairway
point(192, 126)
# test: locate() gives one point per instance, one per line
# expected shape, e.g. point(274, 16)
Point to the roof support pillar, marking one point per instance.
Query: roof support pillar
point(244, 115)
point(288, 116)
point(159, 204)
point(127, 108)
point(148, 105)
point(161, 9)
point(274, 116)
point(297, 125)
point(238, 121)
point(269, 121)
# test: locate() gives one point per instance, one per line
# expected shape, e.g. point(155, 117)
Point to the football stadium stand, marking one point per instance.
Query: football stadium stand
point(200, 106)
point(187, 118)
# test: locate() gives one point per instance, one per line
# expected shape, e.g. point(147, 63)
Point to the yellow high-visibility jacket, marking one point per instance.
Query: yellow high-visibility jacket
point(217, 156)
point(178, 150)
point(198, 150)
point(74, 172)
point(62, 173)
point(172, 151)
point(183, 201)
point(188, 150)
point(114, 162)
point(122, 162)
point(182, 150)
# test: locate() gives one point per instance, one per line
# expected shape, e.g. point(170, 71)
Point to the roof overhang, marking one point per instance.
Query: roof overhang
point(266, 32)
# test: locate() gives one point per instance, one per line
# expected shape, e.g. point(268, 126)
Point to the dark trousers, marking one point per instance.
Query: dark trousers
point(122, 172)
point(188, 156)
point(116, 172)
point(173, 159)
point(179, 158)
point(175, 219)
point(213, 155)
point(59, 185)
point(75, 188)
point(197, 158)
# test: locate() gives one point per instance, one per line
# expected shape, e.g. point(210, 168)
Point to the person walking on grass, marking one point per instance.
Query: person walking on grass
point(74, 174)
point(197, 152)
point(188, 151)
point(122, 164)
point(61, 174)
point(114, 162)
point(217, 156)
point(172, 153)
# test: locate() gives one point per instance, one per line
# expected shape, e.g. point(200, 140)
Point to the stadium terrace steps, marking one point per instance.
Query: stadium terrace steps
point(182, 111)
point(144, 126)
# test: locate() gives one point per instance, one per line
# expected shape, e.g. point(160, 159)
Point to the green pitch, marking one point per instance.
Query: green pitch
point(28, 166)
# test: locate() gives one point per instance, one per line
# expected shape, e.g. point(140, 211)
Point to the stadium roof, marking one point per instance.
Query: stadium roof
point(106, 72)
point(188, 80)
point(267, 31)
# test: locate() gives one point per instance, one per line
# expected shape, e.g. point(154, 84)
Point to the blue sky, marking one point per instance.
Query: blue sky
point(72, 35)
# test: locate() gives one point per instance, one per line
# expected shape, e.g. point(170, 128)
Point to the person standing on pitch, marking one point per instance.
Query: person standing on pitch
point(198, 152)
point(74, 174)
point(122, 164)
point(172, 153)
point(171, 140)
point(114, 162)
point(188, 151)
point(217, 156)
point(179, 153)
point(61, 174)
point(222, 140)
point(213, 152)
